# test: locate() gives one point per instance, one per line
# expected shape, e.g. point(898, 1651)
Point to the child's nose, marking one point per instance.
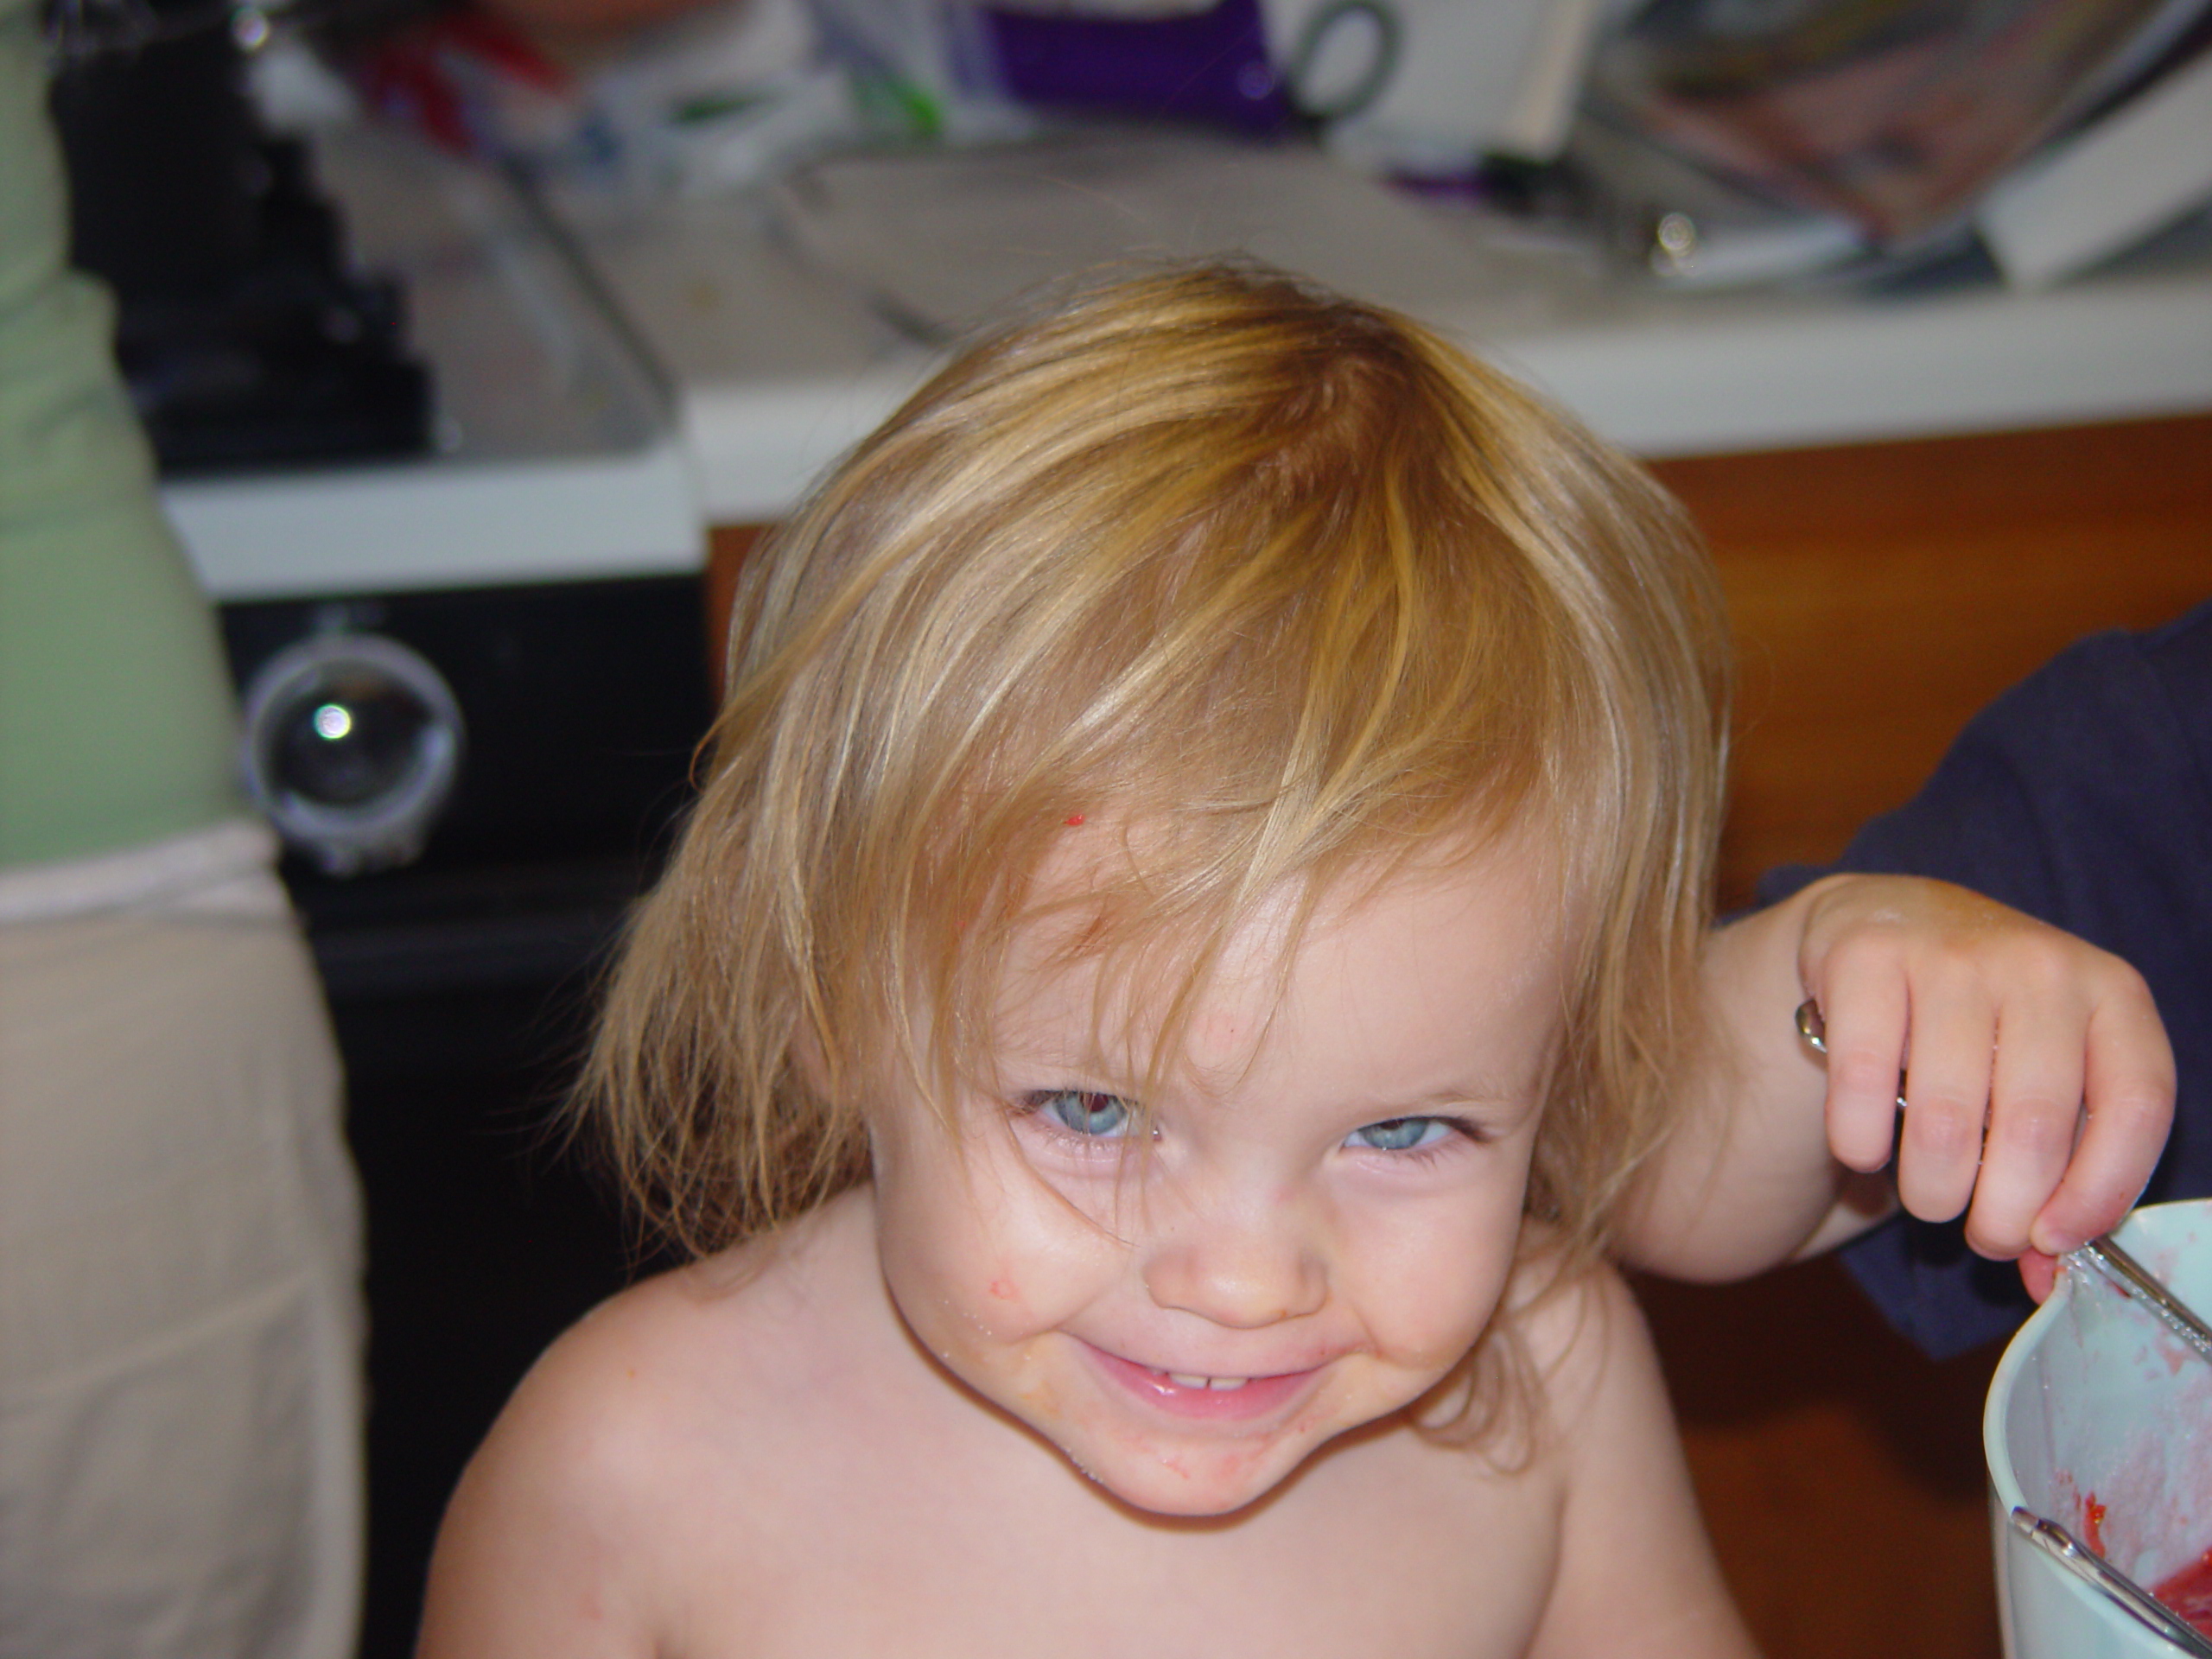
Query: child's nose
point(1244, 1272)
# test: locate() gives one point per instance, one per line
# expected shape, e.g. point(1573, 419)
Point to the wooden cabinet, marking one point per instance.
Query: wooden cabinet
point(1882, 593)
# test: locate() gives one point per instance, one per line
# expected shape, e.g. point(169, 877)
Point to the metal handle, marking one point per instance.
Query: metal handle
point(2134, 1280)
point(1815, 1030)
point(2110, 1581)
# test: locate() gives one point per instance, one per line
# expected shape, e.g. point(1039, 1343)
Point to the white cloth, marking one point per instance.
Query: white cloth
point(180, 1327)
point(224, 868)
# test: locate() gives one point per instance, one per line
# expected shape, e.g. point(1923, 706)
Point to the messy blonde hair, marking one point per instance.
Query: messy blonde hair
point(1285, 576)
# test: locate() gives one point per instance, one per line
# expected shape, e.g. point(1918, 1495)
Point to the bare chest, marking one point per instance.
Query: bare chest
point(1391, 1546)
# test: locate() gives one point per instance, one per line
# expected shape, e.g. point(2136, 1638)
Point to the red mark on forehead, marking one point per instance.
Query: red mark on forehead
point(1003, 1289)
point(1075, 820)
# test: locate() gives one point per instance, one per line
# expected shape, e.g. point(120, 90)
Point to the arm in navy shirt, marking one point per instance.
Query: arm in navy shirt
point(2082, 797)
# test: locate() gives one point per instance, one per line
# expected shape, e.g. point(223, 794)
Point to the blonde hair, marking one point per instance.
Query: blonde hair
point(1288, 577)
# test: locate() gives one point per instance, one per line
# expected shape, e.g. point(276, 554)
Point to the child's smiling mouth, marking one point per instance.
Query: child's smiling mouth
point(1204, 1397)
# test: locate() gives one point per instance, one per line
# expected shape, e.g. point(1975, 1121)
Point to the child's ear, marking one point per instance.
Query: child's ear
point(813, 1064)
point(811, 1061)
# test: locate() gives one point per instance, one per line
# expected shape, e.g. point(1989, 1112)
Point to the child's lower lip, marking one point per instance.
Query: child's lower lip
point(1258, 1396)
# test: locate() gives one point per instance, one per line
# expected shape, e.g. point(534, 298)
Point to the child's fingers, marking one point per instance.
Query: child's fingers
point(2035, 1106)
point(1865, 1038)
point(1947, 1096)
point(2130, 1092)
point(2038, 1273)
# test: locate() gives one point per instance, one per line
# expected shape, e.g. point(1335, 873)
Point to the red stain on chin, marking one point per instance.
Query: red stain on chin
point(1003, 1289)
point(2093, 1524)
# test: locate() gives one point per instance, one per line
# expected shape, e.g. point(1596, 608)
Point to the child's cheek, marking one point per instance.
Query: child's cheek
point(1002, 1313)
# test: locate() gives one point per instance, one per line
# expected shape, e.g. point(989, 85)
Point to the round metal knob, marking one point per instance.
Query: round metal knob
point(353, 745)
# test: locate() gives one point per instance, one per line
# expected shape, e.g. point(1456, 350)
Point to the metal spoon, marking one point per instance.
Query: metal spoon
point(2110, 1581)
point(1815, 1030)
point(2135, 1279)
point(2121, 1269)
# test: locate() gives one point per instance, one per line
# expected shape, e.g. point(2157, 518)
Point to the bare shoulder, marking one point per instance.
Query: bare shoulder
point(571, 1529)
point(1637, 1576)
point(1585, 1336)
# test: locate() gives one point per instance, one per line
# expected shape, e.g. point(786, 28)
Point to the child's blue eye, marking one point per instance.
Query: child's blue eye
point(1401, 1133)
point(1079, 1111)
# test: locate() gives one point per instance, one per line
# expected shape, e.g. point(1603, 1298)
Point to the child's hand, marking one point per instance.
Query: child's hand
point(2036, 1074)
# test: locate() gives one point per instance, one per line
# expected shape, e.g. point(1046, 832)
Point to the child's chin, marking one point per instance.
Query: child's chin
point(1184, 1486)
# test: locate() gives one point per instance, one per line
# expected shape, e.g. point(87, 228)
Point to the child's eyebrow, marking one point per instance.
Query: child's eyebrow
point(1476, 1095)
point(1056, 1069)
point(1041, 1074)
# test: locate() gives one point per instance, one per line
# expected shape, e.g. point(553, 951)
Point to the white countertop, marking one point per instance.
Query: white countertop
point(773, 330)
point(556, 459)
point(445, 522)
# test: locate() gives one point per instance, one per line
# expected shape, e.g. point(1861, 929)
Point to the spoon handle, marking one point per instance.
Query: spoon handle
point(2133, 1277)
point(2093, 1569)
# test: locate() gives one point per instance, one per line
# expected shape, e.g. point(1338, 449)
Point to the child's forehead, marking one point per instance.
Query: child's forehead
point(1072, 990)
point(1076, 989)
point(1098, 907)
point(1100, 866)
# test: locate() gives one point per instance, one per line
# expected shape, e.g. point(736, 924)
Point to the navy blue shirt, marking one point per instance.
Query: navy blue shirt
point(2082, 795)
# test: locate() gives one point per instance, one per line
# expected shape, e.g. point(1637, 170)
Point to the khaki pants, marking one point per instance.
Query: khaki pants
point(179, 1380)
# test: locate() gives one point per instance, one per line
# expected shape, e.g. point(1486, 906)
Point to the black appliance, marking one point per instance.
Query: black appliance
point(460, 984)
point(244, 338)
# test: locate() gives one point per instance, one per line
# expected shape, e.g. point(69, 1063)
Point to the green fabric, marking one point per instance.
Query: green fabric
point(116, 720)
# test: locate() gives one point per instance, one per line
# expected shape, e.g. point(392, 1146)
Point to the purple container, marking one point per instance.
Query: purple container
point(1208, 67)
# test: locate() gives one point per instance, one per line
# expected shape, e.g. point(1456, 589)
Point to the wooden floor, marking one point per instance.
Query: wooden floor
point(1880, 594)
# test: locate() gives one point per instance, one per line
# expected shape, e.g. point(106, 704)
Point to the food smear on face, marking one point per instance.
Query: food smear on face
point(2093, 1524)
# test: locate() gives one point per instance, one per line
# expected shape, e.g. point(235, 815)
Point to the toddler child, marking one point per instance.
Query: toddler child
point(1194, 927)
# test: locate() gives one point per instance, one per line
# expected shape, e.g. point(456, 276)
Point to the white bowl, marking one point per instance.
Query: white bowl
point(2095, 1403)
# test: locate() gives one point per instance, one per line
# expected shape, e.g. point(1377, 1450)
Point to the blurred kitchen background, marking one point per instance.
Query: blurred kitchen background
point(479, 343)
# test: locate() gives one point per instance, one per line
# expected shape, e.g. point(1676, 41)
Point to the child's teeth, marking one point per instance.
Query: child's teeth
point(1181, 1379)
point(1226, 1382)
point(1184, 1380)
